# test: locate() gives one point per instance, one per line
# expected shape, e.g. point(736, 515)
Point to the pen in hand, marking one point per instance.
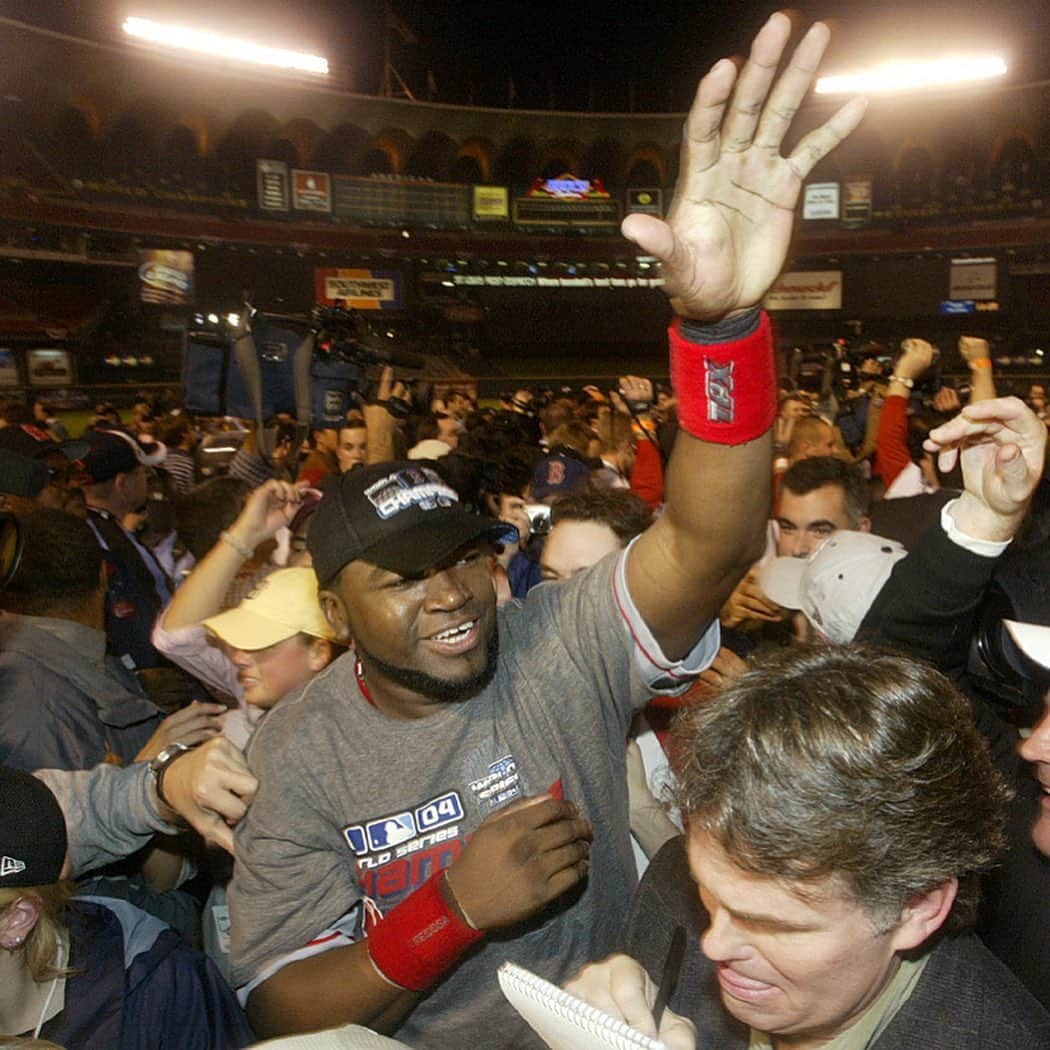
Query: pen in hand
point(669, 974)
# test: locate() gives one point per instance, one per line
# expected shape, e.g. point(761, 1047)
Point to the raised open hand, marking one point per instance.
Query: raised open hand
point(727, 234)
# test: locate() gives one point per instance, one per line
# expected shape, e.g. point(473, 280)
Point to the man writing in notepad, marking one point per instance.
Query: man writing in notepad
point(455, 796)
point(841, 807)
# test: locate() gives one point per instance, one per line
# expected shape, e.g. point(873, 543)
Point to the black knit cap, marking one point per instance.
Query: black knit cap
point(398, 515)
point(20, 475)
point(32, 832)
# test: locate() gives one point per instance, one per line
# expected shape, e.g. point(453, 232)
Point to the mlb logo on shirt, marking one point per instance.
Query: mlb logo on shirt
point(355, 839)
point(390, 831)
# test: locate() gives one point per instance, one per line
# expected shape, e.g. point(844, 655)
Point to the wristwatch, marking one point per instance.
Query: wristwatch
point(158, 766)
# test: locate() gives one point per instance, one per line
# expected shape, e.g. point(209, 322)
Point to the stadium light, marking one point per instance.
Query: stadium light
point(205, 42)
point(911, 76)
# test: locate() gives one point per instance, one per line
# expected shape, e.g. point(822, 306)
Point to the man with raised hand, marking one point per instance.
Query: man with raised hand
point(455, 796)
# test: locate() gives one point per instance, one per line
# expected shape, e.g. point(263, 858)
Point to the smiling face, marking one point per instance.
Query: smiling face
point(421, 640)
point(1035, 748)
point(268, 674)
point(800, 967)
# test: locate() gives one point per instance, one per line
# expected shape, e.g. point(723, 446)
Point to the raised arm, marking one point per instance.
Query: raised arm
point(928, 606)
point(721, 248)
point(978, 356)
point(269, 507)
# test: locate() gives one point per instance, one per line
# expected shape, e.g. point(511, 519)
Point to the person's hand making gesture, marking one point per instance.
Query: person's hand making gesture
point(1002, 446)
point(727, 234)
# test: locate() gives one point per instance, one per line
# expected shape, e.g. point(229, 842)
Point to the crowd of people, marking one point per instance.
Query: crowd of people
point(317, 743)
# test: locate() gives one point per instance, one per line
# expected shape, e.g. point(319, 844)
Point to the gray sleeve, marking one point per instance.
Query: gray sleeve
point(38, 734)
point(591, 622)
point(110, 812)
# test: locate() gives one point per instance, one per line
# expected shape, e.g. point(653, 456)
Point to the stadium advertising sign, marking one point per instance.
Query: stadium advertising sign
point(166, 277)
point(491, 202)
point(311, 191)
point(51, 367)
point(498, 281)
point(806, 290)
point(359, 289)
point(645, 201)
point(821, 201)
point(856, 200)
point(973, 279)
point(271, 178)
point(567, 201)
point(568, 187)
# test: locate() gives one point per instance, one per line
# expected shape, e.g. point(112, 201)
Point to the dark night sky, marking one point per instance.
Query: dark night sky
point(578, 54)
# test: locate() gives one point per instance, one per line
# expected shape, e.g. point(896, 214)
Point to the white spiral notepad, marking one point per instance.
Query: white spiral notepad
point(564, 1022)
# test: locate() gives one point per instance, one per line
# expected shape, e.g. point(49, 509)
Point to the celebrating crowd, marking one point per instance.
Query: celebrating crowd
point(317, 745)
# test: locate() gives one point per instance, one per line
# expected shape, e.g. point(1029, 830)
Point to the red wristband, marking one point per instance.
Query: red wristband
point(727, 392)
point(416, 942)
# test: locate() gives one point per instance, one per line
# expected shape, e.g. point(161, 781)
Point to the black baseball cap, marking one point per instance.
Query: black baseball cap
point(399, 515)
point(32, 831)
point(20, 475)
point(109, 453)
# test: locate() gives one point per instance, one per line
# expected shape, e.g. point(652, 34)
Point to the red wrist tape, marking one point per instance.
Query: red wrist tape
point(727, 392)
point(416, 942)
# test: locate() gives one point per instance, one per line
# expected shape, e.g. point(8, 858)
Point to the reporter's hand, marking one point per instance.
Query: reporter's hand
point(727, 234)
point(211, 788)
point(620, 987)
point(519, 860)
point(1003, 447)
point(749, 602)
point(191, 726)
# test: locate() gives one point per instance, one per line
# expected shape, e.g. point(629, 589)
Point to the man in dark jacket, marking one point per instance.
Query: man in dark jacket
point(934, 605)
point(841, 805)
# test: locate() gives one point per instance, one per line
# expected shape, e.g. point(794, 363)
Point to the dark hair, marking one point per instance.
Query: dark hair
point(808, 475)
point(174, 429)
point(806, 430)
point(626, 513)
point(512, 472)
point(490, 438)
point(60, 566)
point(848, 763)
point(15, 413)
point(206, 510)
point(427, 427)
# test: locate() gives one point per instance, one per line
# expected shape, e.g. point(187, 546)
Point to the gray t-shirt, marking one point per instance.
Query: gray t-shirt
point(353, 804)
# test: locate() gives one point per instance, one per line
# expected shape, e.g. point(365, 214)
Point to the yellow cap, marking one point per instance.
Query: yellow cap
point(281, 606)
